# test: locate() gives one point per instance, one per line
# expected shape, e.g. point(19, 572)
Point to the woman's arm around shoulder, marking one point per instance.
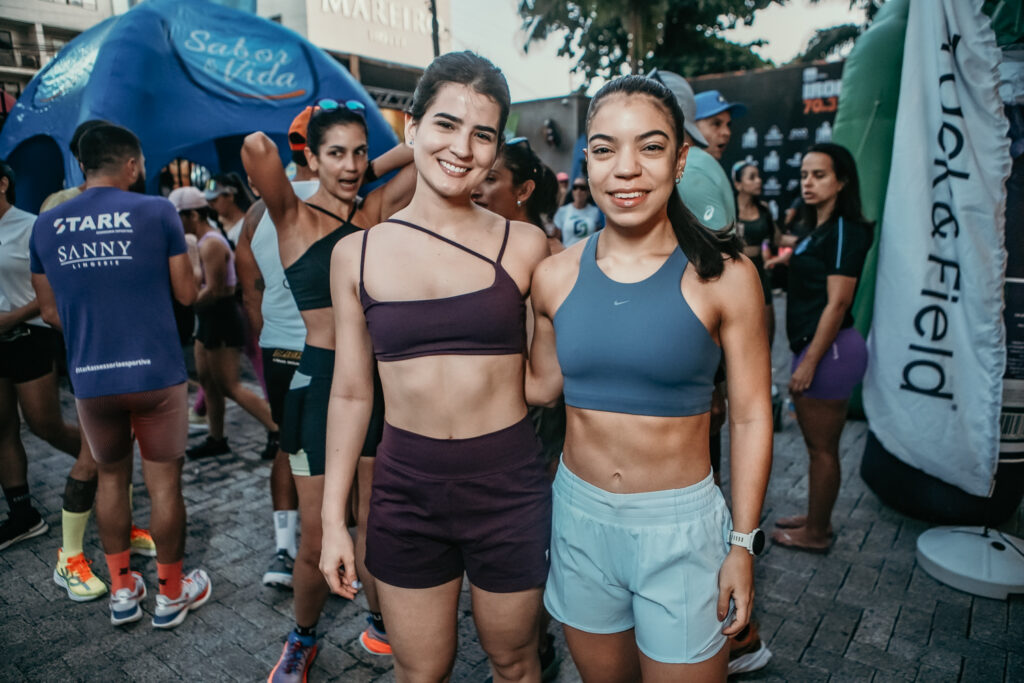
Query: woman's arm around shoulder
point(348, 414)
point(744, 338)
point(553, 279)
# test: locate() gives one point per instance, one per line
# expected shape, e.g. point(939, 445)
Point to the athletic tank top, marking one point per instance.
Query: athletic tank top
point(490, 321)
point(231, 276)
point(282, 325)
point(310, 276)
point(757, 230)
point(634, 348)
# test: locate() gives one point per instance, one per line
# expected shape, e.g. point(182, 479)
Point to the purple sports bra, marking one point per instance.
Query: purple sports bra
point(489, 321)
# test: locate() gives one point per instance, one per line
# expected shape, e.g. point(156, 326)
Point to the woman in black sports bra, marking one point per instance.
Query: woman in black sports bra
point(436, 297)
point(336, 151)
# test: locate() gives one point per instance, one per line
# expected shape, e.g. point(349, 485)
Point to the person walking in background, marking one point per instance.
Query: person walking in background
point(829, 353)
point(110, 291)
point(220, 334)
point(757, 229)
point(579, 217)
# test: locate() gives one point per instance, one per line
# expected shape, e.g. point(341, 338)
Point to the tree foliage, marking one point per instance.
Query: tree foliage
point(610, 37)
point(833, 40)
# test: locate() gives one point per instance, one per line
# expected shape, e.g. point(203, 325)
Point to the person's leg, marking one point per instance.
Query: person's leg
point(604, 657)
point(821, 421)
point(308, 582)
point(285, 500)
point(214, 397)
point(23, 521)
point(40, 403)
point(712, 669)
point(364, 482)
point(507, 624)
point(422, 625)
point(224, 363)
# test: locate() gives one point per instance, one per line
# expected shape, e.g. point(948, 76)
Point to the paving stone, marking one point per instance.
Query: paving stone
point(864, 611)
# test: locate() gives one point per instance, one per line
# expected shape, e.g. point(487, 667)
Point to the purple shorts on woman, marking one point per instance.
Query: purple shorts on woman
point(441, 507)
point(841, 368)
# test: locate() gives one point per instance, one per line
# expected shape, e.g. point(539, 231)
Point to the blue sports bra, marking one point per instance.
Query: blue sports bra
point(635, 347)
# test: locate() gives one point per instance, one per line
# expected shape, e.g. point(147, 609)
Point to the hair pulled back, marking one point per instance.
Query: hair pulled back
point(847, 204)
point(463, 68)
point(705, 249)
point(325, 119)
point(524, 164)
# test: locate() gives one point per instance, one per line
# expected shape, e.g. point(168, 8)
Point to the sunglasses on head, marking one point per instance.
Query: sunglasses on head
point(327, 104)
point(518, 141)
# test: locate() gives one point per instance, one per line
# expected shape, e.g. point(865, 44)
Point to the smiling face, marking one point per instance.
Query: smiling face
point(717, 130)
point(455, 143)
point(633, 159)
point(340, 160)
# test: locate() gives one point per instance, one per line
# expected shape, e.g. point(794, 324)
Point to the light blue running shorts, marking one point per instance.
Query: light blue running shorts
point(647, 561)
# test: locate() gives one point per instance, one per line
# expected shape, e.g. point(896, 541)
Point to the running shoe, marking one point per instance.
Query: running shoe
point(124, 603)
point(279, 573)
point(208, 448)
point(746, 651)
point(373, 641)
point(270, 450)
point(19, 528)
point(142, 542)
point(73, 575)
point(195, 591)
point(296, 659)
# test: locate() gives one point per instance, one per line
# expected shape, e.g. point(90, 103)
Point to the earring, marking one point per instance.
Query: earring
point(519, 202)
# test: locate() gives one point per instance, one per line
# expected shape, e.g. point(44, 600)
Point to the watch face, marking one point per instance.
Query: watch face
point(757, 542)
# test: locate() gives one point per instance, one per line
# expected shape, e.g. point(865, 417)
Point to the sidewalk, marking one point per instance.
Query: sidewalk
point(864, 612)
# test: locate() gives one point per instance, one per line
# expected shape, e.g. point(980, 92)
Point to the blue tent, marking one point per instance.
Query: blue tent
point(191, 78)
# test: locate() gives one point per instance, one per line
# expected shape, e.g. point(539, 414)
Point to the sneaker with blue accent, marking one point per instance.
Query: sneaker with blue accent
point(74, 575)
point(374, 640)
point(195, 591)
point(296, 659)
point(124, 602)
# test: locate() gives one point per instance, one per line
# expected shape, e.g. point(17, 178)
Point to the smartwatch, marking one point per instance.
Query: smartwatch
point(753, 542)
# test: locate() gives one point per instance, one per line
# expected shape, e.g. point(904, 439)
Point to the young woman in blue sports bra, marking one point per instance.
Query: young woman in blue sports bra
point(631, 323)
point(435, 299)
point(336, 150)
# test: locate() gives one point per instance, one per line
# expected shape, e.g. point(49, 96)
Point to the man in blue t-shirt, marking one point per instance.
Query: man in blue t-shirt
point(104, 266)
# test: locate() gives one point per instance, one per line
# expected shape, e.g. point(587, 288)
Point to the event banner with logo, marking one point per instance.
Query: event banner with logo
point(788, 110)
point(937, 349)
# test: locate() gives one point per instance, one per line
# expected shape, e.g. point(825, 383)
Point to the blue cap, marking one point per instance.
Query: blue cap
point(711, 102)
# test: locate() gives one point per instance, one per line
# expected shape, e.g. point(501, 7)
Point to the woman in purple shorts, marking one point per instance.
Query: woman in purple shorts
point(829, 354)
point(436, 296)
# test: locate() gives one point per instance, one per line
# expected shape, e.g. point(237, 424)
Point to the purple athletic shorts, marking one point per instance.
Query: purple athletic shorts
point(841, 369)
point(441, 507)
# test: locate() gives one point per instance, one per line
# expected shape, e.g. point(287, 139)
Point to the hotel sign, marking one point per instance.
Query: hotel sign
point(389, 30)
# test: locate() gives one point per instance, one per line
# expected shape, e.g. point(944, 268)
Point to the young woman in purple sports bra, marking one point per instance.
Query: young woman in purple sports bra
point(436, 297)
point(631, 323)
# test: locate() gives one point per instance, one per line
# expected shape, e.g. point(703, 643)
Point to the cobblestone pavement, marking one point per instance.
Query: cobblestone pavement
point(863, 612)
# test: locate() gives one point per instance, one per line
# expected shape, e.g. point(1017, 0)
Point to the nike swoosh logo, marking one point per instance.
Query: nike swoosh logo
point(619, 303)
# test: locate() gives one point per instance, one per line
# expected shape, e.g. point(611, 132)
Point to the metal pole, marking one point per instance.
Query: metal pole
point(435, 29)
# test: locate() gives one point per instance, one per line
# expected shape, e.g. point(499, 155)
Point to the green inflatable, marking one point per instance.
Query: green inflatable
point(864, 125)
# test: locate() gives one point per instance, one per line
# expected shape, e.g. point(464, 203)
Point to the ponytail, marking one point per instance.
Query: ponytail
point(705, 248)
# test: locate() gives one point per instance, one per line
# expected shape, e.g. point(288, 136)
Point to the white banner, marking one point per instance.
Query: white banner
point(937, 348)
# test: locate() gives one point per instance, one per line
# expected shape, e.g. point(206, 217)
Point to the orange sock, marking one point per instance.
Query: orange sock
point(120, 568)
point(169, 578)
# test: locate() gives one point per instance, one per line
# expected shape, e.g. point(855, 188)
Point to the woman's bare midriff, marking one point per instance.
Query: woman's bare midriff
point(319, 327)
point(453, 397)
point(624, 453)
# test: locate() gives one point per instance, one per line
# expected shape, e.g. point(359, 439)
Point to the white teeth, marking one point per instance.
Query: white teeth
point(627, 195)
point(453, 168)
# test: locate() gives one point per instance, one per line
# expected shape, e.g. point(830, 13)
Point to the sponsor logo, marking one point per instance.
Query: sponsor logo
point(771, 162)
point(102, 223)
point(93, 254)
point(823, 133)
point(774, 137)
point(798, 134)
point(794, 161)
point(771, 187)
point(749, 140)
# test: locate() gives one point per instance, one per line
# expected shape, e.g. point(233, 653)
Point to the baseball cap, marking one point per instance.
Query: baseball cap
point(684, 95)
point(185, 198)
point(712, 102)
point(562, 177)
point(297, 131)
point(215, 188)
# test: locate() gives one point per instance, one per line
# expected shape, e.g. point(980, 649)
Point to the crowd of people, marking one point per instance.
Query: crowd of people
point(488, 369)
